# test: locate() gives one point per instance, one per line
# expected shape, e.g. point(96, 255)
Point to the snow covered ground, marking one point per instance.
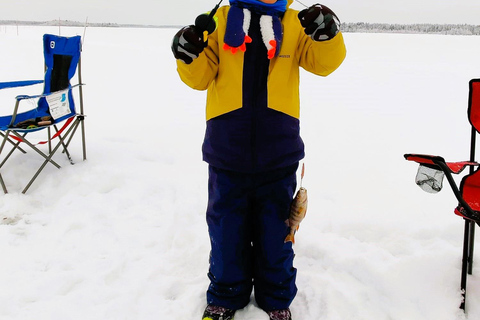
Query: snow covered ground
point(123, 234)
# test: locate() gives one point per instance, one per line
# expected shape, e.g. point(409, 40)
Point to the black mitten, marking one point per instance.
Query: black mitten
point(188, 44)
point(320, 22)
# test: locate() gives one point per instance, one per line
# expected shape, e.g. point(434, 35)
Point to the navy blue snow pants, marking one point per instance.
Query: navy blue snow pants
point(246, 219)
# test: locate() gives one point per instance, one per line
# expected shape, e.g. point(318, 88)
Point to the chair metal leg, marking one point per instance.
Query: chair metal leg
point(65, 149)
point(15, 144)
point(15, 147)
point(471, 248)
point(82, 125)
point(467, 259)
point(38, 151)
point(70, 138)
point(49, 135)
point(84, 145)
point(5, 138)
point(49, 157)
point(3, 184)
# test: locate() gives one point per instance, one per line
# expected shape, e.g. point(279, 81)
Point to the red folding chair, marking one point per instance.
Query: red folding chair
point(430, 175)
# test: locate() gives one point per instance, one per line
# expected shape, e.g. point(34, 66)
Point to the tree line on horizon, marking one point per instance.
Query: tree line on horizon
point(347, 27)
point(448, 29)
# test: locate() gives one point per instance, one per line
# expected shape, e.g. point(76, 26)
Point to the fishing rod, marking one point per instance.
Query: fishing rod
point(328, 11)
point(206, 23)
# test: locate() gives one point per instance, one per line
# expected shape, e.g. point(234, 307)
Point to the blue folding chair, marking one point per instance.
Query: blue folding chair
point(54, 108)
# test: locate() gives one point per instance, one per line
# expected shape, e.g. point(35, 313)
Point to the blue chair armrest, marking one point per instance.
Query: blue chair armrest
point(25, 97)
point(15, 84)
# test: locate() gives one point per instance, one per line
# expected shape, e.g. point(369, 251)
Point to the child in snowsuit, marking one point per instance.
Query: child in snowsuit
point(250, 67)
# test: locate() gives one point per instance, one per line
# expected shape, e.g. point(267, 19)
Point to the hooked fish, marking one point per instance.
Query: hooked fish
point(298, 210)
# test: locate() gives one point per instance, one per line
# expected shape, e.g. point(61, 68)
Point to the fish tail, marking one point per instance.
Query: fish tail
point(290, 238)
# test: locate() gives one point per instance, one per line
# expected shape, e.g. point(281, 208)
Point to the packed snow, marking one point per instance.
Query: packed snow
point(123, 235)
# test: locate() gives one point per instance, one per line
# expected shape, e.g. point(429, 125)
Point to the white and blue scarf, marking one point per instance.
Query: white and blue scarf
point(238, 24)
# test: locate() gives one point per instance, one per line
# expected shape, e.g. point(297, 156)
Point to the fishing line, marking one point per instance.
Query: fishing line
point(302, 3)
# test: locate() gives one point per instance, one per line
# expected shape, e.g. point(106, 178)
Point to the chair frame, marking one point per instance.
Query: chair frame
point(71, 125)
point(471, 216)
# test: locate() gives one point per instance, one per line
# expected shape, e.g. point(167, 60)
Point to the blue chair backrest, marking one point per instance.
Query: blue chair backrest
point(61, 59)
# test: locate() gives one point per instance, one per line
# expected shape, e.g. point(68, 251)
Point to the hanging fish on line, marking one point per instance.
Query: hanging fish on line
point(298, 210)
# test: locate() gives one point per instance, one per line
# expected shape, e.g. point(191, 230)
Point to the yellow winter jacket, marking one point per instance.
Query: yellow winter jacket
point(221, 72)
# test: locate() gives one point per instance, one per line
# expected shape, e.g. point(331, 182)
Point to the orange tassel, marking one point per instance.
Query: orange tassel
point(271, 52)
point(242, 47)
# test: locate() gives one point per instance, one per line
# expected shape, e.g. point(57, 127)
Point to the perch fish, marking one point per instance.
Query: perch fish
point(298, 210)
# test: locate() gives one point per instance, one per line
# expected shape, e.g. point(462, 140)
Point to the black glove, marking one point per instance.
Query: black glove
point(188, 44)
point(320, 22)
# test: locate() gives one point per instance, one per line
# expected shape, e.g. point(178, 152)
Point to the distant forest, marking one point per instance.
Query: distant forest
point(358, 27)
point(450, 29)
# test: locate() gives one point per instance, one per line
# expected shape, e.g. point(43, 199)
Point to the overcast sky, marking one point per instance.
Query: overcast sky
point(182, 12)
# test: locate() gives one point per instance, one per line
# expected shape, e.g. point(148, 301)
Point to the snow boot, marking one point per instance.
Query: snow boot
point(280, 314)
point(218, 313)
